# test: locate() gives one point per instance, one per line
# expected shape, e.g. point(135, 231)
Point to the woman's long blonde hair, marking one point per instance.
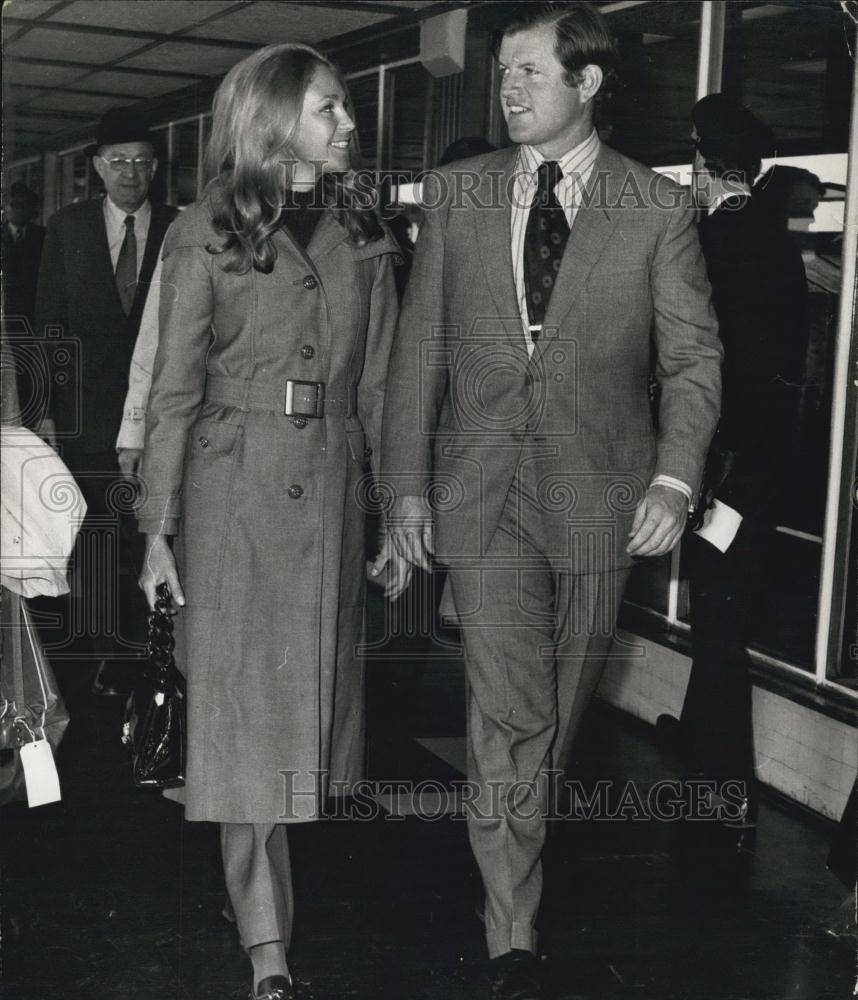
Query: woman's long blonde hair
point(255, 114)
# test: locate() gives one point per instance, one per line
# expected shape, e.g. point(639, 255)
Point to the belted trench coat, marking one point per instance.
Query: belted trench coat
point(267, 508)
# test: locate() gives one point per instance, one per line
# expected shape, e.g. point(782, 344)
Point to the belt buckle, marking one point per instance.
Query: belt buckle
point(304, 399)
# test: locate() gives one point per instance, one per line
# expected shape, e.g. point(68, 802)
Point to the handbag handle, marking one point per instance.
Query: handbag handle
point(161, 643)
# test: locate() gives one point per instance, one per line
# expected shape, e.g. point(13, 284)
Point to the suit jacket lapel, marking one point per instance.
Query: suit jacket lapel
point(594, 223)
point(492, 226)
point(159, 222)
point(95, 242)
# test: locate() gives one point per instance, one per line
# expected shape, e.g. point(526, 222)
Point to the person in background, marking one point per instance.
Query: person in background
point(22, 251)
point(96, 266)
point(277, 315)
point(22, 241)
point(465, 148)
point(523, 350)
point(759, 294)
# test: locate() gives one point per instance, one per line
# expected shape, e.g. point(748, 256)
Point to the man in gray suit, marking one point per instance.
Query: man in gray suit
point(544, 277)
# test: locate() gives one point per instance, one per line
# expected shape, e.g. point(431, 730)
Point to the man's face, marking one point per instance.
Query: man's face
point(540, 109)
point(19, 210)
point(127, 184)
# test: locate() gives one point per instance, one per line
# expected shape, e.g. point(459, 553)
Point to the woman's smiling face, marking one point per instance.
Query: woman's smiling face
point(322, 140)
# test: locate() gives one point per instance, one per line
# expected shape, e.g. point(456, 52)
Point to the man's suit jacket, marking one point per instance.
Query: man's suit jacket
point(759, 291)
point(21, 269)
point(632, 283)
point(77, 303)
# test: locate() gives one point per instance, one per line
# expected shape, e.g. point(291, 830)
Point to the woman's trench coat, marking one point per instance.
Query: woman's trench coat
point(267, 509)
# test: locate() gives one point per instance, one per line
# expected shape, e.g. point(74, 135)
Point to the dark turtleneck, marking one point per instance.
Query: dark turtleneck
point(301, 213)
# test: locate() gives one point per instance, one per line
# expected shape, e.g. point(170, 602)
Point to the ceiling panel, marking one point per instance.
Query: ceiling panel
point(58, 100)
point(279, 22)
point(46, 124)
point(17, 95)
point(135, 87)
point(27, 8)
point(204, 60)
point(43, 76)
point(164, 16)
point(41, 43)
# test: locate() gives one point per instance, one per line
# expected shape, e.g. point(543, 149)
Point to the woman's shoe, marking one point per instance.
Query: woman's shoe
point(273, 988)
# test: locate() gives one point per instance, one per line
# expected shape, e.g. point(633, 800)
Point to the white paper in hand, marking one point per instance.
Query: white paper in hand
point(720, 525)
point(40, 773)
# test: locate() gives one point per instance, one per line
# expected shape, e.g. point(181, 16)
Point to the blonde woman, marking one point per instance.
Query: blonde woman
point(277, 313)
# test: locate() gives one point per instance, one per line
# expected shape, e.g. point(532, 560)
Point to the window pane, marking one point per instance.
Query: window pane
point(78, 179)
point(364, 96)
point(846, 672)
point(647, 586)
point(409, 112)
point(791, 65)
point(650, 118)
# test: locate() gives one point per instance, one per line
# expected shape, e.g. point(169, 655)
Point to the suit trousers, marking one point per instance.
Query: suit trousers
point(536, 632)
point(258, 877)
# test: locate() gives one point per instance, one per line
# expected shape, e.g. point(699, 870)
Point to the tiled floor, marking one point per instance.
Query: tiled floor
point(110, 896)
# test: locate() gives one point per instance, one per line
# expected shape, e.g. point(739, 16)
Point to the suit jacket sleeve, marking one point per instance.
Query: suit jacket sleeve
point(416, 389)
point(51, 298)
point(688, 352)
point(383, 309)
point(179, 377)
point(132, 430)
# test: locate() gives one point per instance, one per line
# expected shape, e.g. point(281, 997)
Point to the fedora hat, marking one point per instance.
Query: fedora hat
point(119, 125)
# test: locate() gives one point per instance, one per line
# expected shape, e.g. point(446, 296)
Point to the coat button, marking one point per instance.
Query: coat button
point(204, 442)
point(308, 351)
point(296, 492)
point(299, 422)
point(310, 282)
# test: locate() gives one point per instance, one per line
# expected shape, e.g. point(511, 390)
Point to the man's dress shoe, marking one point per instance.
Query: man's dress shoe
point(515, 976)
point(273, 988)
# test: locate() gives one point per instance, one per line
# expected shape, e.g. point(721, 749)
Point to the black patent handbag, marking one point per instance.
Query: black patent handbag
point(154, 727)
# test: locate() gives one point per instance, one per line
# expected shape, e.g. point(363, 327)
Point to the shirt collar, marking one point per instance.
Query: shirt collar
point(116, 216)
point(725, 195)
point(577, 161)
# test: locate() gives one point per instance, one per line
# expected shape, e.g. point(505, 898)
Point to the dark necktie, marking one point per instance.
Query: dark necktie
point(126, 266)
point(544, 242)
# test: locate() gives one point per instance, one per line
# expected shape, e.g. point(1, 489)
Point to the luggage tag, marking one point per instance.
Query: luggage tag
point(40, 772)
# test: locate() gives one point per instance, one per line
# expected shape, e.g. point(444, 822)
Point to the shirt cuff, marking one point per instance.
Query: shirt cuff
point(674, 484)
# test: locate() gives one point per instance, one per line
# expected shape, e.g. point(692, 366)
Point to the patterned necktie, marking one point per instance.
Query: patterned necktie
point(544, 242)
point(126, 266)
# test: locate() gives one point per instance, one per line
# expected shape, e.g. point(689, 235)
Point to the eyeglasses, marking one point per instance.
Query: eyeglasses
point(118, 163)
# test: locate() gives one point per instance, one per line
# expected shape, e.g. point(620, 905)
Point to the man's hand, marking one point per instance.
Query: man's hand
point(398, 570)
point(410, 526)
point(659, 522)
point(129, 461)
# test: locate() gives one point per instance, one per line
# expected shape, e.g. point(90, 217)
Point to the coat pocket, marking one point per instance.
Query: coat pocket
point(206, 503)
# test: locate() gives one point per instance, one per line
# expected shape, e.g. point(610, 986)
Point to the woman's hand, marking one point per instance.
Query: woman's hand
point(159, 566)
point(398, 569)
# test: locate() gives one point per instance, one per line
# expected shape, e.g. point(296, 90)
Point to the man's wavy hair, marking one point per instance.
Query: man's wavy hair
point(247, 160)
point(582, 37)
